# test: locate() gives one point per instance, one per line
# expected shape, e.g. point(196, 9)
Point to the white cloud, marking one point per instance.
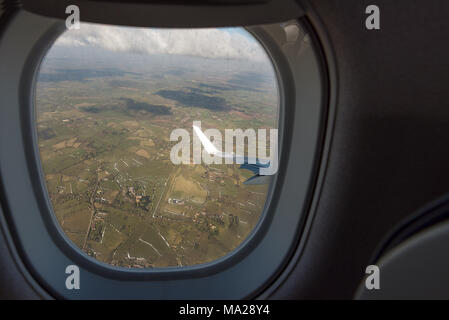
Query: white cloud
point(207, 43)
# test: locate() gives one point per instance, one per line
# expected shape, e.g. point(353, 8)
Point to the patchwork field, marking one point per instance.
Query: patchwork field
point(104, 139)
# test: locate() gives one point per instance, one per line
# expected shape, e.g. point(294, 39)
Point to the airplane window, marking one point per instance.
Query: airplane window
point(157, 145)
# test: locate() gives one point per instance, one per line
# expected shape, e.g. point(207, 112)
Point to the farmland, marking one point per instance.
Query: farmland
point(104, 139)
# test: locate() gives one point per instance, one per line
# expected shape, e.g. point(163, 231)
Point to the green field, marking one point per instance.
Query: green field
point(105, 149)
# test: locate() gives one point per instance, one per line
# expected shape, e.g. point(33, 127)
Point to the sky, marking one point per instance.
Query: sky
point(222, 43)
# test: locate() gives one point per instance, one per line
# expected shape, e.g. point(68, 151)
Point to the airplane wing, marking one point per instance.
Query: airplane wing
point(248, 163)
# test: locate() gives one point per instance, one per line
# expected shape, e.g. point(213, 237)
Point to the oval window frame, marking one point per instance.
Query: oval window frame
point(32, 223)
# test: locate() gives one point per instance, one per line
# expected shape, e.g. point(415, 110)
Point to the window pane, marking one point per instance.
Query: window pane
point(132, 183)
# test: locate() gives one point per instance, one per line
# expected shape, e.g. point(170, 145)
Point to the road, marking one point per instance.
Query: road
point(94, 210)
point(162, 194)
